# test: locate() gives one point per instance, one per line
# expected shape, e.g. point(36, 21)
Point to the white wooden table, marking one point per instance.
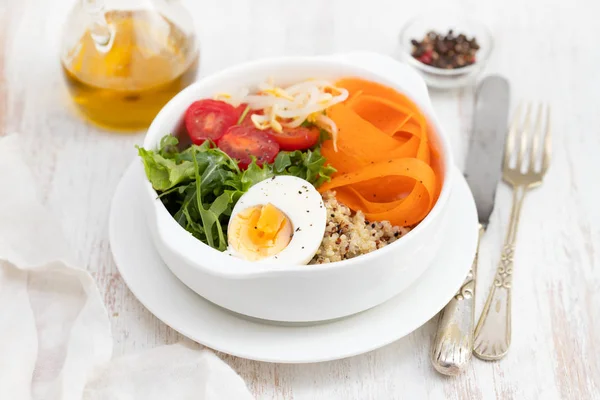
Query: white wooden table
point(549, 51)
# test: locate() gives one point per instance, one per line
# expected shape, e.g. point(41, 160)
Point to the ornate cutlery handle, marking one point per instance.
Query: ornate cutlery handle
point(493, 331)
point(453, 341)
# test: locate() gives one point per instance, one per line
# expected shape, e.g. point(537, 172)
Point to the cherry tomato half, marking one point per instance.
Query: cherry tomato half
point(290, 139)
point(300, 138)
point(209, 119)
point(241, 142)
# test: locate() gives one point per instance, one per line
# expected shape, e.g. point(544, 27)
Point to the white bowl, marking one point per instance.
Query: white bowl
point(293, 293)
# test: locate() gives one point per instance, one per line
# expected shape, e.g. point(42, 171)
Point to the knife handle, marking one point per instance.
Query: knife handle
point(453, 341)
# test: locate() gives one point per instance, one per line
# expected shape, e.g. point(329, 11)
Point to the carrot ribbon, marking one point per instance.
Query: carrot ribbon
point(384, 157)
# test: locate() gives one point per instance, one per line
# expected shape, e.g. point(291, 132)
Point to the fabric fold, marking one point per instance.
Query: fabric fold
point(56, 335)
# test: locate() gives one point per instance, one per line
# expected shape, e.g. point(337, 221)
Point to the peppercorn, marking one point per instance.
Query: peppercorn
point(448, 51)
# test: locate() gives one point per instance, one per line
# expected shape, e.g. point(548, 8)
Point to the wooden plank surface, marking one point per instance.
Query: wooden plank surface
point(545, 47)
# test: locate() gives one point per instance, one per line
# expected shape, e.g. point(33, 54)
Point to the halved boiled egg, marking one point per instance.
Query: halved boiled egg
point(279, 220)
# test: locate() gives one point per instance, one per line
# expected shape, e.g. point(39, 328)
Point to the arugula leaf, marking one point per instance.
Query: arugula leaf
point(282, 161)
point(179, 189)
point(210, 217)
point(192, 226)
point(308, 165)
point(317, 172)
point(251, 176)
point(182, 206)
point(254, 174)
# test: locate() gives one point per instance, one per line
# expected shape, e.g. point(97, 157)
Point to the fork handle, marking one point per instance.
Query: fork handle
point(493, 331)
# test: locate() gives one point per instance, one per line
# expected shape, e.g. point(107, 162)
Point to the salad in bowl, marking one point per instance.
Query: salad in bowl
point(276, 188)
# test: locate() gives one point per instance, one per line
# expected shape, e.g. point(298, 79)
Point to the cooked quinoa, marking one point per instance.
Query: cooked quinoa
point(348, 234)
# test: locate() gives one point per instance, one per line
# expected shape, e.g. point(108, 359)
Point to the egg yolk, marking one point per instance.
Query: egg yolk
point(259, 232)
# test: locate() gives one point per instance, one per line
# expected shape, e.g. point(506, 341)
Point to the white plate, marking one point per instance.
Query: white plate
point(176, 305)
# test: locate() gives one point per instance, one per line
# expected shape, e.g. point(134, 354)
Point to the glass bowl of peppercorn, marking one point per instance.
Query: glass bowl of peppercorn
point(449, 51)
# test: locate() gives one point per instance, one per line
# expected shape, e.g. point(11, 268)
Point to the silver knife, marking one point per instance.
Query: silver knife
point(453, 343)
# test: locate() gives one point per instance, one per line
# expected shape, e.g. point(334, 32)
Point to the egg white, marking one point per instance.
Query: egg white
point(302, 204)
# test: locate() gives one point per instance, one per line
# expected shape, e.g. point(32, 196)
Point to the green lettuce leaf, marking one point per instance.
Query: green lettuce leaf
point(164, 173)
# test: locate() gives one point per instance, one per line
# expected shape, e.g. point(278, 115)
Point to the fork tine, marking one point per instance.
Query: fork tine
point(534, 157)
point(512, 133)
point(547, 142)
point(524, 138)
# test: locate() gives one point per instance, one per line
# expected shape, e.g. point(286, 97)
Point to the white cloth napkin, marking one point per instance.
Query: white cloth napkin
point(55, 336)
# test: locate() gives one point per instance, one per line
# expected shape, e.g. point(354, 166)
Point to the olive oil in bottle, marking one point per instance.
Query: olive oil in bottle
point(124, 83)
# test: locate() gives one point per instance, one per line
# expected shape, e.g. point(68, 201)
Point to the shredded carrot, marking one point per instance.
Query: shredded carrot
point(386, 166)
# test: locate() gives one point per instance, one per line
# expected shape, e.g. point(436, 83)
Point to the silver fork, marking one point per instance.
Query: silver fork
point(522, 172)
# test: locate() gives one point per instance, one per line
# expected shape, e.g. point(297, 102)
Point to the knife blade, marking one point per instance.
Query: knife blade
point(453, 342)
point(483, 166)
